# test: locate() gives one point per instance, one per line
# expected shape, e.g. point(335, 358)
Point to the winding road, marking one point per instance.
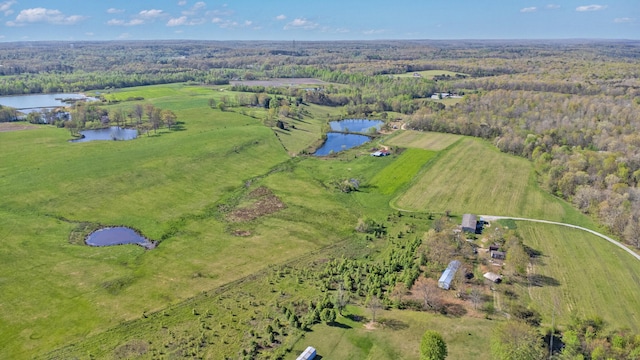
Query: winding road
point(616, 243)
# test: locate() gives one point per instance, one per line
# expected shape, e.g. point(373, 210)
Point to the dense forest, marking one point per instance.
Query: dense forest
point(572, 107)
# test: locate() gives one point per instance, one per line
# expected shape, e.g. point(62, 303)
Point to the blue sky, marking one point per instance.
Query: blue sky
point(76, 20)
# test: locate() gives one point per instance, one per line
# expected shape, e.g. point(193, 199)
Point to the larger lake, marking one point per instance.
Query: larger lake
point(28, 103)
point(337, 142)
point(355, 125)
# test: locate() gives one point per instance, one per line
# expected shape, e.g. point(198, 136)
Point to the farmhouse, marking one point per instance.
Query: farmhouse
point(308, 354)
point(469, 223)
point(500, 255)
point(448, 275)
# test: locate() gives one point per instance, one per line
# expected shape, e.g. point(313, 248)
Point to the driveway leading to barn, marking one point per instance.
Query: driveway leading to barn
point(617, 243)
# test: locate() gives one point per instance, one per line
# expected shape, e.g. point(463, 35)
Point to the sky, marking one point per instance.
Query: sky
point(304, 20)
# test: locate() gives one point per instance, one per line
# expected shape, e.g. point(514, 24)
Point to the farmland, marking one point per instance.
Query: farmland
point(259, 242)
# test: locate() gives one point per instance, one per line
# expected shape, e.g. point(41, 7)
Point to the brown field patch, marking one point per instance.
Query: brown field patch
point(279, 82)
point(11, 126)
point(262, 202)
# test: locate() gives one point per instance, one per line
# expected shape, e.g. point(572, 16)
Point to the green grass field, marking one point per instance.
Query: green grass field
point(592, 277)
point(397, 338)
point(474, 177)
point(217, 278)
point(422, 140)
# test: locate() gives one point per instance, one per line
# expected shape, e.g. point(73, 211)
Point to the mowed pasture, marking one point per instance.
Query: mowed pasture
point(169, 186)
point(474, 177)
point(397, 336)
point(423, 140)
point(580, 274)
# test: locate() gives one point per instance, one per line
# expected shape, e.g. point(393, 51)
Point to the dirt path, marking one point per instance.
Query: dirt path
point(616, 243)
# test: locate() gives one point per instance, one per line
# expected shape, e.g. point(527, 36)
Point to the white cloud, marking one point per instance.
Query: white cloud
point(301, 23)
point(118, 22)
point(281, 17)
point(182, 2)
point(150, 14)
point(177, 21)
point(114, 11)
point(591, 8)
point(529, 9)
point(373, 32)
point(5, 7)
point(42, 15)
point(124, 36)
point(624, 20)
point(552, 6)
point(89, 33)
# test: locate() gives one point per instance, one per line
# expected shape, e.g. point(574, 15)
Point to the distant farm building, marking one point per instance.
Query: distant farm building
point(308, 354)
point(493, 277)
point(500, 255)
point(380, 153)
point(494, 247)
point(469, 223)
point(448, 275)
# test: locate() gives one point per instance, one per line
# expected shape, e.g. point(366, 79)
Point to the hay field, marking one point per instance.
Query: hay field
point(594, 277)
point(423, 140)
point(474, 177)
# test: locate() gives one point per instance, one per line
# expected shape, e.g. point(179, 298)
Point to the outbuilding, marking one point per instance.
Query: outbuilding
point(500, 255)
point(493, 277)
point(448, 275)
point(308, 354)
point(469, 223)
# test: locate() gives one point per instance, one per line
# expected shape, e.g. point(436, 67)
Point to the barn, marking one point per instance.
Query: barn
point(448, 275)
point(469, 223)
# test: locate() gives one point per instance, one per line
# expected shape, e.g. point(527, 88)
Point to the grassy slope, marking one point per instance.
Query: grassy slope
point(158, 184)
point(594, 277)
point(421, 140)
point(400, 339)
point(473, 177)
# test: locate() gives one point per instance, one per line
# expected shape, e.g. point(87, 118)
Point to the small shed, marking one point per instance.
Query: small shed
point(494, 247)
point(469, 223)
point(493, 277)
point(308, 354)
point(500, 255)
point(448, 275)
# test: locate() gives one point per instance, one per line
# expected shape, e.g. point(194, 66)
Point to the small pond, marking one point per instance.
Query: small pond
point(110, 133)
point(34, 102)
point(355, 125)
point(338, 142)
point(118, 235)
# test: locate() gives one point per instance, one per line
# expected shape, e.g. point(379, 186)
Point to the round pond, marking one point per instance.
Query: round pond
point(118, 235)
point(110, 133)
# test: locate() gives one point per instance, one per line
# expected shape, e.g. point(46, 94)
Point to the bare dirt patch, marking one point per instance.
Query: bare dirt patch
point(262, 202)
point(9, 126)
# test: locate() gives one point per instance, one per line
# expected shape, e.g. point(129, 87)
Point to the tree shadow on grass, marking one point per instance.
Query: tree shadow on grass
point(354, 318)
point(178, 126)
point(339, 325)
point(543, 280)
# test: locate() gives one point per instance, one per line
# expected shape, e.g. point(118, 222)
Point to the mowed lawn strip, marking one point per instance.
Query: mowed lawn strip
point(401, 171)
point(594, 277)
point(423, 140)
point(474, 177)
point(466, 337)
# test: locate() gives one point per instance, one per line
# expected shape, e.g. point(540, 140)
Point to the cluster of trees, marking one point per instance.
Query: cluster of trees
point(144, 117)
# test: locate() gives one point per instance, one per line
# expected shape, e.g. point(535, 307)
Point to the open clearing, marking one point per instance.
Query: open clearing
point(583, 274)
point(423, 140)
point(280, 82)
point(474, 177)
point(16, 126)
point(430, 74)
